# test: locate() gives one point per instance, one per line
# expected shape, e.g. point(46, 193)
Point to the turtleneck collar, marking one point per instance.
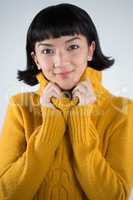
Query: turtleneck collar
point(89, 73)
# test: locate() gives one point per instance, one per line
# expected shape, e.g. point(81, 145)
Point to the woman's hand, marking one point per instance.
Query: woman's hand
point(51, 90)
point(84, 91)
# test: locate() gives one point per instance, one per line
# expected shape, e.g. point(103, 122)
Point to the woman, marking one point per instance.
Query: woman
point(70, 139)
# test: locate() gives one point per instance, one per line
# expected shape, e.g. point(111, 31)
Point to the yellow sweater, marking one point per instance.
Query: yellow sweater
point(70, 153)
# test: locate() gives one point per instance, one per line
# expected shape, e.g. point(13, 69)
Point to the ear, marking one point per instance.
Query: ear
point(34, 57)
point(91, 51)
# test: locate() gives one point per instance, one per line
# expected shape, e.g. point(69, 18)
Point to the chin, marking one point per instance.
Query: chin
point(67, 87)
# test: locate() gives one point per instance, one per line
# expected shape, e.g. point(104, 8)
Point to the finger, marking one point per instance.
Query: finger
point(84, 99)
point(52, 87)
point(45, 103)
point(84, 86)
point(90, 89)
point(81, 97)
point(77, 94)
point(46, 89)
point(48, 97)
point(54, 94)
point(55, 91)
point(57, 87)
point(48, 85)
point(80, 88)
point(87, 84)
point(92, 99)
point(84, 90)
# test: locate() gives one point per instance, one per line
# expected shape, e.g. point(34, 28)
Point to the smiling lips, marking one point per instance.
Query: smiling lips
point(64, 74)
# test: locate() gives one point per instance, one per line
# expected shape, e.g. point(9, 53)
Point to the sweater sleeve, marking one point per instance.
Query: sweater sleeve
point(102, 177)
point(23, 165)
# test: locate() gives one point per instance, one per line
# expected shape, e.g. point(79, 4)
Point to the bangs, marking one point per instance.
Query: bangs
point(56, 31)
point(54, 23)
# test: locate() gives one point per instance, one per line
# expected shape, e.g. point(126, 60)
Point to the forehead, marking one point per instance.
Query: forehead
point(63, 39)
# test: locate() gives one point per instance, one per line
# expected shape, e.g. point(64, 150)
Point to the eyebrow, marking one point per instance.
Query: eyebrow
point(50, 45)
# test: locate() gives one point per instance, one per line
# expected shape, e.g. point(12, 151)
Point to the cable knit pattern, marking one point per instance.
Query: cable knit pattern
point(69, 153)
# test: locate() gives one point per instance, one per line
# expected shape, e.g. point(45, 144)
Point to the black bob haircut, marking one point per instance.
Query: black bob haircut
point(56, 21)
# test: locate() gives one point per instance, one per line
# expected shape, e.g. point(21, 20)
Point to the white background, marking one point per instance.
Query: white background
point(114, 23)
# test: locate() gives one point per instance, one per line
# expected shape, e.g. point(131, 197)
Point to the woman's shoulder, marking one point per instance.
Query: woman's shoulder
point(117, 108)
point(121, 104)
point(25, 99)
point(120, 109)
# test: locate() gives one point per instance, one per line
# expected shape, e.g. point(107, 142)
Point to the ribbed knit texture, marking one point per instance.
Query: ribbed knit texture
point(70, 152)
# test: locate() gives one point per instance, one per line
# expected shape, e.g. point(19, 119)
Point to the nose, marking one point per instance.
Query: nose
point(61, 59)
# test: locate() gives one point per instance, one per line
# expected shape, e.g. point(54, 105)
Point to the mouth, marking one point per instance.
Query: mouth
point(64, 73)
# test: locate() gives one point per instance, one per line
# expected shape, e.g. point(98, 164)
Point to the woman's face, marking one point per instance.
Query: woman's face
point(64, 59)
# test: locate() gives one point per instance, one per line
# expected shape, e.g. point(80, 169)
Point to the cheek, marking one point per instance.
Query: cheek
point(46, 63)
point(47, 70)
point(80, 59)
point(80, 64)
point(48, 74)
point(46, 66)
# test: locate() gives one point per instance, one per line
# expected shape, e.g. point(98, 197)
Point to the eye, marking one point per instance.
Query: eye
point(48, 51)
point(72, 47)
